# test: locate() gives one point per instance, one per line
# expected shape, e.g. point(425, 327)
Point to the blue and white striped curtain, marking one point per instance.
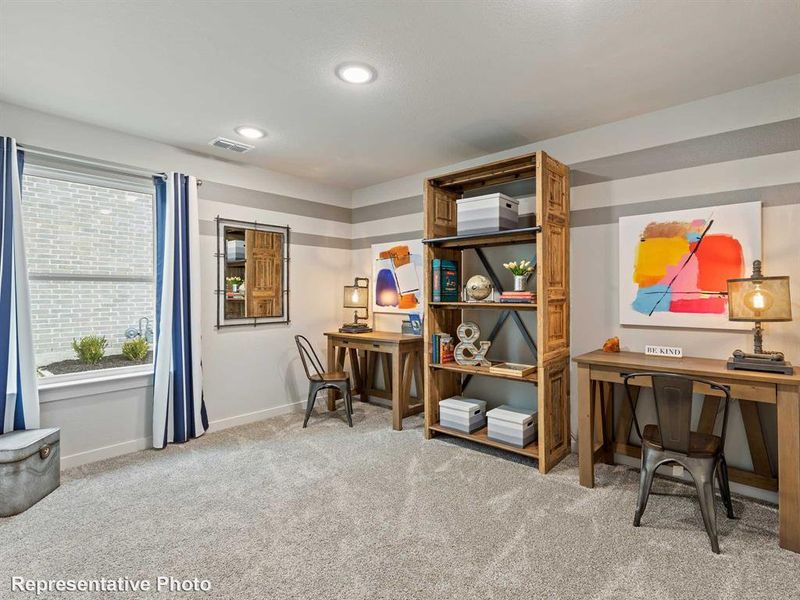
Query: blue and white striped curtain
point(19, 402)
point(179, 413)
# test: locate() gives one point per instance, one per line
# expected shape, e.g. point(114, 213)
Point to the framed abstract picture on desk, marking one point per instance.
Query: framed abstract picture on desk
point(674, 266)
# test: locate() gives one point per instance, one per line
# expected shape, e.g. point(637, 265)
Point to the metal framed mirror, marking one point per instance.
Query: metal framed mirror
point(252, 273)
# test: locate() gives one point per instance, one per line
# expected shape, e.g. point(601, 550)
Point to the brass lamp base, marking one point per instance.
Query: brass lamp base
point(355, 328)
point(768, 362)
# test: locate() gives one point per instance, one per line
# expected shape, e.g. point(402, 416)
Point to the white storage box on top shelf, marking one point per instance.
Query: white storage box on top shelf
point(235, 250)
point(511, 425)
point(462, 414)
point(487, 214)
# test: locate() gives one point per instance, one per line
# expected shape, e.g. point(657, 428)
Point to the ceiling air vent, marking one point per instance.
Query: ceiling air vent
point(231, 145)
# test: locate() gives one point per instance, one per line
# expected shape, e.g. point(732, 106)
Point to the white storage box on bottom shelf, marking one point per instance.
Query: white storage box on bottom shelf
point(511, 425)
point(488, 213)
point(462, 414)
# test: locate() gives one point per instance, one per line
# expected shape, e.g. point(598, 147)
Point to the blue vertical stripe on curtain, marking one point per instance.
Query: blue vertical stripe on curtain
point(19, 397)
point(179, 413)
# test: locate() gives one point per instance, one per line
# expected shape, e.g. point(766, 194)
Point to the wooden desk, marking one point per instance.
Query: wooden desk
point(401, 359)
point(598, 371)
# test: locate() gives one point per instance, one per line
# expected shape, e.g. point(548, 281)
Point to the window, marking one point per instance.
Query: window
point(89, 245)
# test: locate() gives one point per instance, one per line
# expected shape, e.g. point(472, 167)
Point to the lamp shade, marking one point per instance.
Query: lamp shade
point(759, 299)
point(356, 296)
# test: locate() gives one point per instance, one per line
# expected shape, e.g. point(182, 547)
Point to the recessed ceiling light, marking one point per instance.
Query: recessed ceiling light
point(356, 73)
point(251, 133)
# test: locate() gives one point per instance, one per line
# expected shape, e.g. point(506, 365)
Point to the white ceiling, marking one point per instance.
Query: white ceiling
point(455, 79)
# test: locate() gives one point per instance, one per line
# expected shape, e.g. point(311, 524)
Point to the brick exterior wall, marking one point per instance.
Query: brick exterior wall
point(77, 236)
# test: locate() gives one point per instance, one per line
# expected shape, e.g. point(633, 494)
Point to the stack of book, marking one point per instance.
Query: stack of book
point(445, 280)
point(442, 348)
point(518, 297)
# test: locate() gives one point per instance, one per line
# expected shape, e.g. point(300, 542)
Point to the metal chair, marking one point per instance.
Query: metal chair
point(672, 440)
point(322, 380)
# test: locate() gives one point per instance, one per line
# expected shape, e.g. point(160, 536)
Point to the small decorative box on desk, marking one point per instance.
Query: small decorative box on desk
point(511, 425)
point(462, 414)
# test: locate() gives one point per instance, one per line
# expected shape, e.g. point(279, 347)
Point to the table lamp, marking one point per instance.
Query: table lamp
point(357, 296)
point(759, 299)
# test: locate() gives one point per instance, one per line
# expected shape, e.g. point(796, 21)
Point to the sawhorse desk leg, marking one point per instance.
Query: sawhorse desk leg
point(585, 426)
point(789, 467)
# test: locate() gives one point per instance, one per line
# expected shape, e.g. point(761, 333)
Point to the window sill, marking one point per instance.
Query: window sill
point(78, 385)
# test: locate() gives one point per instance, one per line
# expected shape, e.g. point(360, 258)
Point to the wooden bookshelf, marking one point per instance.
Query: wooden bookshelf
point(549, 385)
point(490, 174)
point(481, 436)
point(480, 370)
point(485, 305)
point(526, 235)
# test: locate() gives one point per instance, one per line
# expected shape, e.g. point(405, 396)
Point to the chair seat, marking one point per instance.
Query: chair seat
point(700, 444)
point(330, 376)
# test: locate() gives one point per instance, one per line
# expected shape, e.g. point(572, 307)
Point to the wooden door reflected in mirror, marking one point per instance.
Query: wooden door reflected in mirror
point(253, 264)
point(263, 274)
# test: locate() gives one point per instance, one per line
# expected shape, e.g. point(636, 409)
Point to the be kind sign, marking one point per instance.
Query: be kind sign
point(670, 351)
point(674, 266)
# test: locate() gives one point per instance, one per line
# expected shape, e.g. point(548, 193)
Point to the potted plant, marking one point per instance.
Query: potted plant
point(90, 349)
point(521, 271)
point(136, 349)
point(234, 282)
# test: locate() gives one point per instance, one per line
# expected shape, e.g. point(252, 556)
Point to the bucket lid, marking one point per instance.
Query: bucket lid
point(19, 445)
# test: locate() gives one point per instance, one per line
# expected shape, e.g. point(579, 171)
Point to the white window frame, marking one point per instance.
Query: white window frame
point(89, 383)
point(74, 385)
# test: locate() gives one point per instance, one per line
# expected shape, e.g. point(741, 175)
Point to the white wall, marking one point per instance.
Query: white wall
point(48, 131)
point(594, 264)
point(766, 103)
point(249, 373)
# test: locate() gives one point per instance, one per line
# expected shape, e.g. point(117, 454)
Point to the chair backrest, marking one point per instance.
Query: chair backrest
point(308, 355)
point(673, 396)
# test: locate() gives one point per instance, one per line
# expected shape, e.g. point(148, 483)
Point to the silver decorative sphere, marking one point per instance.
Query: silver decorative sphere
point(479, 287)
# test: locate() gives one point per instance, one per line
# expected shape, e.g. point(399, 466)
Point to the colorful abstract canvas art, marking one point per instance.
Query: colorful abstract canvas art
point(397, 277)
point(674, 266)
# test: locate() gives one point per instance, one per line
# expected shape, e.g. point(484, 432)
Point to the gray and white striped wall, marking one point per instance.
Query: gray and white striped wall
point(736, 147)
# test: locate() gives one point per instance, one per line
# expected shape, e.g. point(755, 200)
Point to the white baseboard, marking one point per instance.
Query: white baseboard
point(114, 450)
point(252, 417)
point(90, 456)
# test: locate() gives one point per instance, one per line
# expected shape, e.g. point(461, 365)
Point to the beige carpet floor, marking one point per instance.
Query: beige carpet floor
point(270, 510)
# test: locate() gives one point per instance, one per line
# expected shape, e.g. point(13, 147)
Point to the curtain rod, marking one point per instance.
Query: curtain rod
point(92, 163)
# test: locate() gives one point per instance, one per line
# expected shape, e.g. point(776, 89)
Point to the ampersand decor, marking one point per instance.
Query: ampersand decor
point(466, 354)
